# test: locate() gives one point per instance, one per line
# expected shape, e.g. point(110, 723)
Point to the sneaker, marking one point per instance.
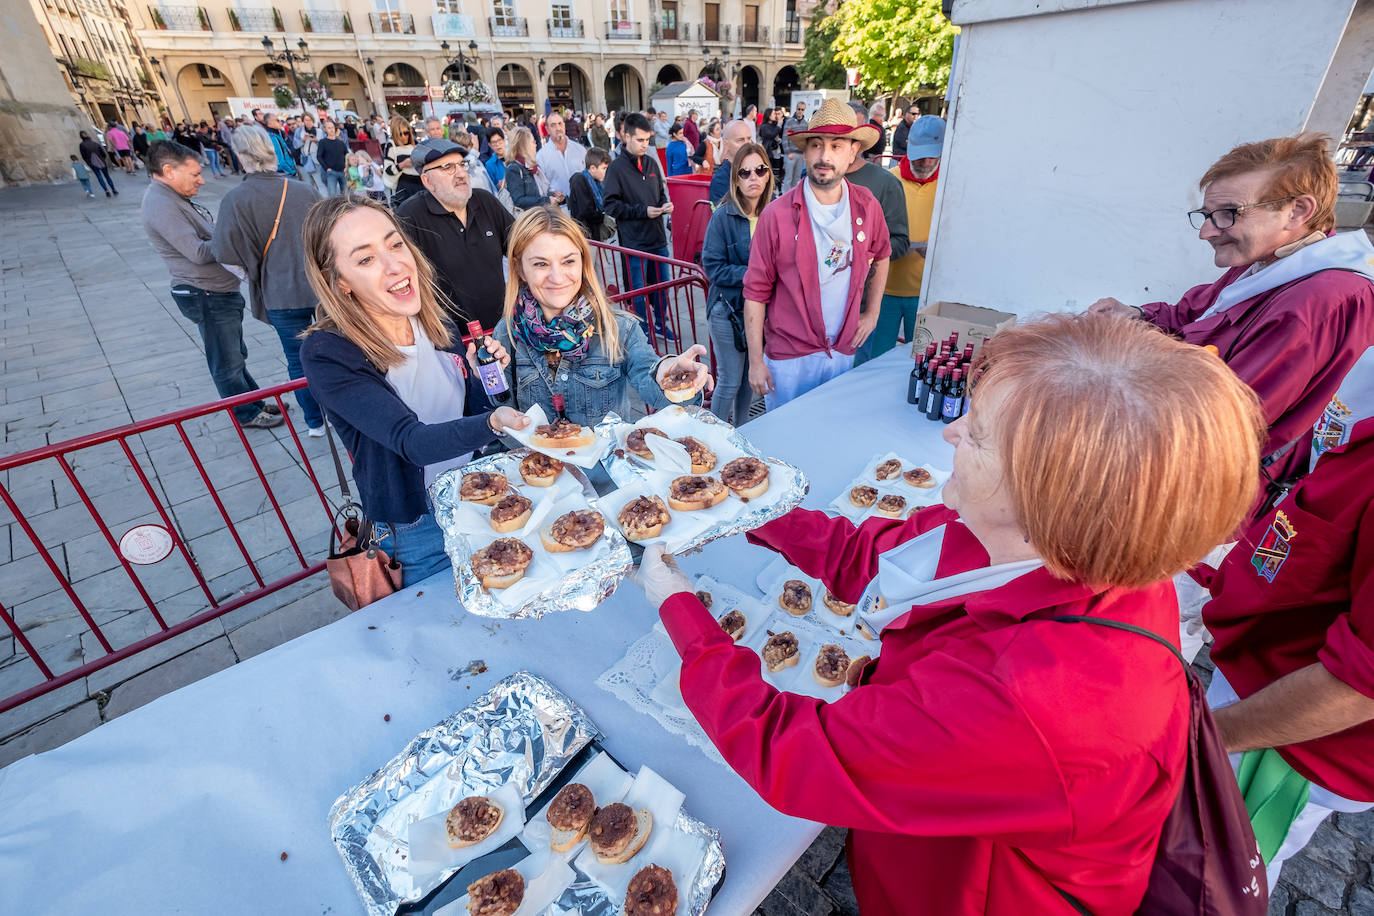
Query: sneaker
point(272, 408)
point(107, 193)
point(316, 432)
point(90, 195)
point(666, 333)
point(116, 193)
point(263, 420)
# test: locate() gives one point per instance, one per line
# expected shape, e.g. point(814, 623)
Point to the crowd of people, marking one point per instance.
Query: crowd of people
point(1200, 465)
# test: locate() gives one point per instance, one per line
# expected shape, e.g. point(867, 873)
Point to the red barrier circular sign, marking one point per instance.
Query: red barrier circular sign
point(146, 544)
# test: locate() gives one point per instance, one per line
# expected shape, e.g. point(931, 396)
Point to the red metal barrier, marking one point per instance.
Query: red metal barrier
point(683, 292)
point(132, 445)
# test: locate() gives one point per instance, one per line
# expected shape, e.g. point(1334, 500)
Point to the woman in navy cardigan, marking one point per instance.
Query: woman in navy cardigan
point(386, 368)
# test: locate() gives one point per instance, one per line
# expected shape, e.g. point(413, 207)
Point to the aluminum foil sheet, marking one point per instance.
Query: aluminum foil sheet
point(521, 732)
point(582, 590)
point(624, 470)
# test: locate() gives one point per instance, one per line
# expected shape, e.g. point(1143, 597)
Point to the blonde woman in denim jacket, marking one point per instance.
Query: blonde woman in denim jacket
point(564, 336)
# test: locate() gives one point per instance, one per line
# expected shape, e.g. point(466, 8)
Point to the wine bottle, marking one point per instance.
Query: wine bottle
point(954, 398)
point(488, 369)
point(923, 382)
point(935, 401)
point(914, 383)
point(558, 412)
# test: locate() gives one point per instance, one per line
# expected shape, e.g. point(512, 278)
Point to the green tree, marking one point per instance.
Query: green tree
point(818, 63)
point(896, 45)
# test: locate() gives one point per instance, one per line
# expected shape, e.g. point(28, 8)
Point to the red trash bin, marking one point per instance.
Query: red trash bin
point(689, 220)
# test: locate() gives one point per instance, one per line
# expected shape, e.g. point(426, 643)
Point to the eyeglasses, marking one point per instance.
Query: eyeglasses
point(758, 171)
point(448, 168)
point(1225, 217)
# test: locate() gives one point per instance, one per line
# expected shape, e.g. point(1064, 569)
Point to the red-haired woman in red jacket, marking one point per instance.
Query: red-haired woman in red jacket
point(992, 758)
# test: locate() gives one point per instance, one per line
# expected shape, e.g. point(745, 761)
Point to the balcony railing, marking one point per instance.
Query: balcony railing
point(753, 34)
point(711, 31)
point(565, 28)
point(508, 26)
point(683, 32)
point(624, 30)
point(255, 19)
point(792, 31)
point(328, 21)
point(392, 23)
point(180, 18)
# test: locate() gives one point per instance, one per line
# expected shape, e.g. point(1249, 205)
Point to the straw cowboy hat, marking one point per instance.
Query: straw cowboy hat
point(836, 119)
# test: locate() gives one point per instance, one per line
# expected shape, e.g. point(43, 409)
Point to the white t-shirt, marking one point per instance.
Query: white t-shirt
point(431, 384)
point(834, 237)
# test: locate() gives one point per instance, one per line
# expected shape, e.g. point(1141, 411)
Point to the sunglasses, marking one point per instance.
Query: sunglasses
point(758, 171)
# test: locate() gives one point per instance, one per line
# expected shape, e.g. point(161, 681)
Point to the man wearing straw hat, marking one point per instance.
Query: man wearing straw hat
point(815, 250)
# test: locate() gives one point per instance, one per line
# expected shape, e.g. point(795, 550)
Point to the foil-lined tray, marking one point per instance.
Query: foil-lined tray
point(624, 469)
point(523, 732)
point(581, 589)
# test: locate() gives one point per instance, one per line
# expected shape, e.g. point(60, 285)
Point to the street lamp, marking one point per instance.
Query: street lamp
point(288, 57)
point(714, 64)
point(465, 63)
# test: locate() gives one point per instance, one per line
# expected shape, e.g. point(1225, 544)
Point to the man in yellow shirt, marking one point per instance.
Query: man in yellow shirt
point(902, 295)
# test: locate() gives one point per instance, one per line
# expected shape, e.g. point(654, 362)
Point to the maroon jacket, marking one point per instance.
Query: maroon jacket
point(784, 275)
point(1293, 345)
point(1300, 589)
point(988, 756)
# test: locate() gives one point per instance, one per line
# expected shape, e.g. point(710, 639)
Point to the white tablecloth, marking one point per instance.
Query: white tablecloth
point(186, 804)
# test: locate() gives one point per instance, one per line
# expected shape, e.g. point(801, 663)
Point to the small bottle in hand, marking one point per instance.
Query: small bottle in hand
point(493, 379)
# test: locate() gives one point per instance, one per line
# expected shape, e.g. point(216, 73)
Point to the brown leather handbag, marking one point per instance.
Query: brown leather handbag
point(359, 570)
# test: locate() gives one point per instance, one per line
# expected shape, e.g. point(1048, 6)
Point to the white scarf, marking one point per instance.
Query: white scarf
point(906, 577)
point(1346, 251)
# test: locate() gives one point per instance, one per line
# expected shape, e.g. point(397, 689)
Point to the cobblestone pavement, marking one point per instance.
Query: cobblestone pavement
point(91, 340)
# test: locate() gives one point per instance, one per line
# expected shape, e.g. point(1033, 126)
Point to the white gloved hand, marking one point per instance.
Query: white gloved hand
point(659, 576)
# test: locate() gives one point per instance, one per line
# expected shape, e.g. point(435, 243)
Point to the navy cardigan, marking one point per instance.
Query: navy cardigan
point(389, 444)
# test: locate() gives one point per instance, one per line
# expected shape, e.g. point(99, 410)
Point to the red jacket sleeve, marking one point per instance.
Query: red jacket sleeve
point(1349, 650)
point(842, 556)
point(1186, 310)
point(761, 277)
point(903, 758)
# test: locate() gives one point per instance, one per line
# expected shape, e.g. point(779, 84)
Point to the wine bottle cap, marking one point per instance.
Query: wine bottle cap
point(475, 329)
point(942, 372)
point(957, 374)
point(558, 402)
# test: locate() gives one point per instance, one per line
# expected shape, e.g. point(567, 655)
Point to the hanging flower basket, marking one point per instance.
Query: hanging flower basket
point(313, 92)
point(472, 93)
point(282, 96)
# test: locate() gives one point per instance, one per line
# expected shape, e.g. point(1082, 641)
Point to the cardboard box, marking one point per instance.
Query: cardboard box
point(975, 324)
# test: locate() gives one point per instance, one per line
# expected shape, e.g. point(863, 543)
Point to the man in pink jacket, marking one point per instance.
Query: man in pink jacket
point(1295, 308)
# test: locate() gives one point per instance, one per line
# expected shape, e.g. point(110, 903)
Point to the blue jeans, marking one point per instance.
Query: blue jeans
point(289, 324)
point(213, 156)
point(219, 318)
point(417, 546)
point(897, 313)
point(334, 182)
point(85, 184)
point(103, 176)
point(643, 272)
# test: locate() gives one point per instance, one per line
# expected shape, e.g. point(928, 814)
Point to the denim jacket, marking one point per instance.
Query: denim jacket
point(592, 386)
point(725, 256)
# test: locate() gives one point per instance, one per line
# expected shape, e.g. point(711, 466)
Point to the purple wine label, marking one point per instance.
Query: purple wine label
point(950, 407)
point(492, 378)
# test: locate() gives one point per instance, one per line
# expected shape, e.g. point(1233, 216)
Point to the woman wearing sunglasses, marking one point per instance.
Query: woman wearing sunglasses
point(725, 257)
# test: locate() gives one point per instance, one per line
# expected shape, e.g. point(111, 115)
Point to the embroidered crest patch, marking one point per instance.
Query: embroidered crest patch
point(1273, 547)
point(1332, 428)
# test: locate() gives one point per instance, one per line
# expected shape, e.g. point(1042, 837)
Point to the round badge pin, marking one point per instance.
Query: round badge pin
point(145, 545)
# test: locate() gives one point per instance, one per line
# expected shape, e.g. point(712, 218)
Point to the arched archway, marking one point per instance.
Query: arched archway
point(624, 89)
point(784, 84)
point(749, 80)
point(264, 77)
point(515, 89)
point(403, 87)
point(569, 87)
point(669, 73)
point(462, 73)
point(346, 85)
point(205, 90)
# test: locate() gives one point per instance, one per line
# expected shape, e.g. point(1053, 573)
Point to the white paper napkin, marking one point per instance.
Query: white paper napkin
point(430, 854)
point(914, 496)
point(546, 878)
point(667, 846)
point(585, 456)
point(608, 784)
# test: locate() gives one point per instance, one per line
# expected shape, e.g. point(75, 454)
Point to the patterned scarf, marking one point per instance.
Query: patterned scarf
point(569, 332)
